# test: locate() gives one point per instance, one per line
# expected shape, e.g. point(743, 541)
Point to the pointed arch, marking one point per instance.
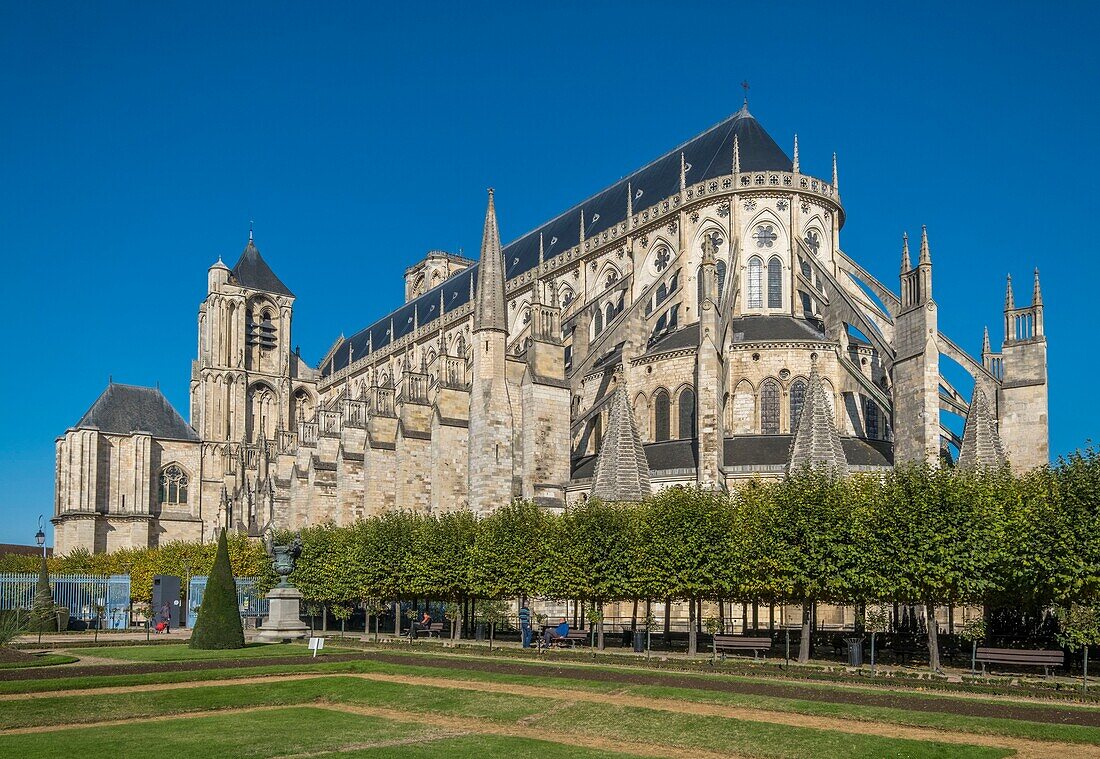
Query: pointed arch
point(775, 282)
point(797, 401)
point(871, 419)
point(662, 415)
point(174, 483)
point(685, 412)
point(609, 276)
point(755, 282)
point(814, 236)
point(769, 407)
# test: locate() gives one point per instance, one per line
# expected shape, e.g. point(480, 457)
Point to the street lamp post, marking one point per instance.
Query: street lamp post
point(40, 536)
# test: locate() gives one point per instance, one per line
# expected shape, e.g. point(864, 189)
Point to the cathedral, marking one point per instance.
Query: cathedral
point(696, 323)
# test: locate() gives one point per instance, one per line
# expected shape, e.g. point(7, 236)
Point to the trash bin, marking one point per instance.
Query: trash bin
point(855, 651)
point(479, 632)
point(639, 641)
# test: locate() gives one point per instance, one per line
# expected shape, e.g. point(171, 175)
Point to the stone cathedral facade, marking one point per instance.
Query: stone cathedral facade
point(697, 322)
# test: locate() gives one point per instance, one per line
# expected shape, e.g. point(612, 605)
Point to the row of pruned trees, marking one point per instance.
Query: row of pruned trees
point(919, 536)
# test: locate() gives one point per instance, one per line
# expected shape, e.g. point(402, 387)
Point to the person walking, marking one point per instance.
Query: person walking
point(525, 624)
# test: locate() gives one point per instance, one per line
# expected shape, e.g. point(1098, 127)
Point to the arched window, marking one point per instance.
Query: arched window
point(756, 283)
point(173, 485)
point(769, 408)
point(597, 433)
point(610, 315)
point(721, 280)
point(599, 322)
point(871, 419)
point(775, 283)
point(699, 288)
point(687, 413)
point(662, 415)
point(798, 400)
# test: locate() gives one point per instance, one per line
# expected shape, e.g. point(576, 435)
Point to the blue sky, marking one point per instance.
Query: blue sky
point(139, 140)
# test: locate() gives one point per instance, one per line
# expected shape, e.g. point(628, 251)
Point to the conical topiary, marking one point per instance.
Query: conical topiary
point(43, 612)
point(219, 622)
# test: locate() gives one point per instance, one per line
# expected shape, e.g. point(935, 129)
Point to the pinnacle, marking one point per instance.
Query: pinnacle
point(816, 442)
point(622, 470)
point(906, 264)
point(925, 255)
point(489, 308)
point(1010, 302)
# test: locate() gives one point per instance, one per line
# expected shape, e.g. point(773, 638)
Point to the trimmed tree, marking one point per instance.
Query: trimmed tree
point(219, 622)
point(43, 611)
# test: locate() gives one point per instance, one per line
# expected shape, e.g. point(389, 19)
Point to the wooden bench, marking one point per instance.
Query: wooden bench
point(1021, 657)
point(734, 643)
point(572, 640)
point(434, 629)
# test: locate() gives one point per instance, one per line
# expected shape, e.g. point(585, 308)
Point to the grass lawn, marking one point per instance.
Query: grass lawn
point(183, 652)
point(546, 716)
point(40, 660)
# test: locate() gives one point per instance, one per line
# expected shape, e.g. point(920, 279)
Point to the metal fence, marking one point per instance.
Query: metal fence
point(87, 597)
point(250, 601)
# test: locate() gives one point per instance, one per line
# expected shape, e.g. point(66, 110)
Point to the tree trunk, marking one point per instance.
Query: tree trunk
point(872, 653)
point(668, 623)
point(807, 631)
point(755, 616)
point(933, 638)
point(397, 619)
point(744, 618)
point(599, 625)
point(692, 636)
point(324, 618)
point(722, 614)
point(1085, 671)
point(634, 616)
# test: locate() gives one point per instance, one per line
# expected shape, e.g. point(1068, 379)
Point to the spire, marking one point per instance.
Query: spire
point(816, 442)
point(1010, 302)
point(251, 224)
point(582, 227)
point(1036, 294)
point(622, 471)
point(489, 308)
point(985, 342)
point(629, 204)
point(925, 255)
point(981, 444)
point(736, 156)
point(683, 172)
point(836, 182)
point(906, 264)
point(794, 168)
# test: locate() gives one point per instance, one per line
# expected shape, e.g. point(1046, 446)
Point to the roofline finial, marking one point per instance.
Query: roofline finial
point(836, 181)
point(251, 225)
point(736, 156)
point(1010, 302)
point(906, 264)
point(745, 87)
point(925, 253)
point(794, 163)
point(1036, 293)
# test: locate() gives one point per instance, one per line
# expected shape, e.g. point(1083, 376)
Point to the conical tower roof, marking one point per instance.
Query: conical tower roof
point(816, 442)
point(489, 307)
point(981, 444)
point(253, 272)
point(622, 471)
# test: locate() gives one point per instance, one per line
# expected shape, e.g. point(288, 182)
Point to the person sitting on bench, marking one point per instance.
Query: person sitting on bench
point(425, 623)
point(553, 633)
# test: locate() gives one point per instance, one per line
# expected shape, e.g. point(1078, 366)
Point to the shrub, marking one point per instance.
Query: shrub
point(219, 622)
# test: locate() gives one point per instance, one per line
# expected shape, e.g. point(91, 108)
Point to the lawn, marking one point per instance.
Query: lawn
point(588, 706)
point(183, 652)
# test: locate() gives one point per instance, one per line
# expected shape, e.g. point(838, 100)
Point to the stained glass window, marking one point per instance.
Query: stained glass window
point(775, 283)
point(765, 236)
point(662, 414)
point(721, 280)
point(756, 275)
point(813, 241)
point(871, 420)
point(173, 485)
point(687, 414)
point(769, 408)
point(798, 400)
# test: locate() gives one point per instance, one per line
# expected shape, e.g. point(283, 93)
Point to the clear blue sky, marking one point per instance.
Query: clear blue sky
point(138, 141)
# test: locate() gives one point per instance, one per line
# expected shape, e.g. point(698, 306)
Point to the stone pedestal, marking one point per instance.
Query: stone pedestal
point(283, 621)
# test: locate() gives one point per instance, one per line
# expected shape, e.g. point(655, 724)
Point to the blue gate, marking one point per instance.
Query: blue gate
point(87, 597)
point(250, 601)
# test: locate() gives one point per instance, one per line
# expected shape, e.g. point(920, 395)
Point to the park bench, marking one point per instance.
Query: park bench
point(572, 640)
point(435, 629)
point(735, 643)
point(1021, 657)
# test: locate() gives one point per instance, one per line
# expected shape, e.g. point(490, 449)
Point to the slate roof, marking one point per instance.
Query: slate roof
point(123, 409)
point(981, 443)
point(252, 271)
point(816, 441)
point(707, 155)
point(746, 451)
point(762, 328)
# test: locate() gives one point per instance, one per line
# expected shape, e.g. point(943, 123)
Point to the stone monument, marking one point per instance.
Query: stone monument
point(283, 622)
